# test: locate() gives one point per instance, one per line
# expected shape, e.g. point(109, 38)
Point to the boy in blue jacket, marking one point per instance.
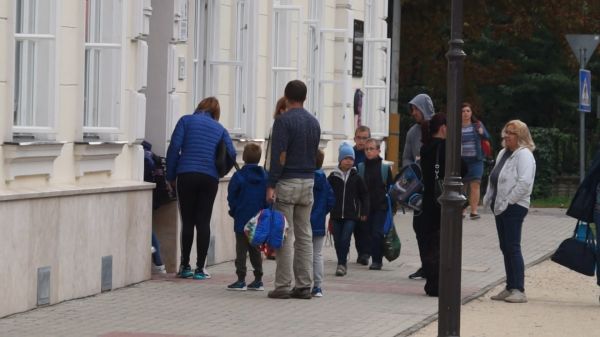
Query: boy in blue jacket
point(246, 197)
point(324, 201)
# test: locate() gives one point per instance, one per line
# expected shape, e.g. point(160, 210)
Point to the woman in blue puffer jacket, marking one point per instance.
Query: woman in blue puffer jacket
point(191, 166)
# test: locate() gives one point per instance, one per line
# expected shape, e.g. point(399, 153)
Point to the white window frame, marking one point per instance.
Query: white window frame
point(239, 119)
point(23, 123)
point(282, 64)
point(110, 80)
point(331, 111)
point(313, 56)
point(376, 75)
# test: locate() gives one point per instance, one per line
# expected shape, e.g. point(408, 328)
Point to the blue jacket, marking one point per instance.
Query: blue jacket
point(246, 194)
point(324, 200)
point(194, 144)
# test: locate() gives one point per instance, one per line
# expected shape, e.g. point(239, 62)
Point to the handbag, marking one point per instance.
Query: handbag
point(577, 255)
point(223, 161)
point(391, 242)
point(486, 146)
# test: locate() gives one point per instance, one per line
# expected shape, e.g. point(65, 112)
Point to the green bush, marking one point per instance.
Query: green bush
point(555, 154)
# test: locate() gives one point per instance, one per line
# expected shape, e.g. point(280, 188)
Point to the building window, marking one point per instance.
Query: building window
point(34, 87)
point(376, 72)
point(222, 59)
point(102, 90)
point(286, 38)
point(327, 69)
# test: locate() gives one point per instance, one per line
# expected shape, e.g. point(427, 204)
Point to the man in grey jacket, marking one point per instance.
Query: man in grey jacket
point(421, 109)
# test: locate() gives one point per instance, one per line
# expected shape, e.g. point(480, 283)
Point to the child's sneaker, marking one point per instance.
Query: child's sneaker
point(237, 286)
point(185, 272)
point(256, 285)
point(201, 274)
point(340, 270)
point(316, 292)
point(159, 269)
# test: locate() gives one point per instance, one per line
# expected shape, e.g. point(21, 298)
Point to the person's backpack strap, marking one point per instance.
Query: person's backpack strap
point(384, 171)
point(361, 170)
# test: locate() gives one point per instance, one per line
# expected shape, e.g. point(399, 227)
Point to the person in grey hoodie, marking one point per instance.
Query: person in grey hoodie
point(421, 109)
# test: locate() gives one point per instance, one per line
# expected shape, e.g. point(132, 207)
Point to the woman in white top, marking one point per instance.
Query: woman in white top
point(508, 194)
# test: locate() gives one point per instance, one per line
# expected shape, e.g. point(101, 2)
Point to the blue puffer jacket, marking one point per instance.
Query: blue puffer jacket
point(324, 200)
point(246, 194)
point(193, 145)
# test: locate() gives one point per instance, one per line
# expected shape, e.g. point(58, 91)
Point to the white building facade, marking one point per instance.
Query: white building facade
point(82, 82)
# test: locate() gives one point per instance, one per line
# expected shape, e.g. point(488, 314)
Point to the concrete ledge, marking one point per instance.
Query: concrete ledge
point(71, 243)
point(69, 190)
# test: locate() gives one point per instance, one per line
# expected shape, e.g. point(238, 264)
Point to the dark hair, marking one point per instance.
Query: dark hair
point(210, 105)
point(251, 153)
point(431, 127)
point(320, 158)
point(295, 91)
point(468, 105)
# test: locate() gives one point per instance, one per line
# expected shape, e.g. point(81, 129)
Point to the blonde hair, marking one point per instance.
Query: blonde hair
point(522, 132)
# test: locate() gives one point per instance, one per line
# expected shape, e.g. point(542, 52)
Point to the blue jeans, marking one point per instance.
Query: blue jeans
point(342, 234)
point(509, 225)
point(376, 220)
point(156, 255)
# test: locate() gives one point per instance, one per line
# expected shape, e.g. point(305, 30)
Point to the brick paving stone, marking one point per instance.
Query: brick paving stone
point(362, 303)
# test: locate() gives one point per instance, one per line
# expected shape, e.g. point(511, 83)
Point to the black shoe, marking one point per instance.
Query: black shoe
point(363, 259)
point(375, 266)
point(418, 275)
point(280, 294)
point(301, 293)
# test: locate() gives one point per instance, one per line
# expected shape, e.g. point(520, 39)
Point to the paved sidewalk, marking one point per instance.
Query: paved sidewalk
point(363, 303)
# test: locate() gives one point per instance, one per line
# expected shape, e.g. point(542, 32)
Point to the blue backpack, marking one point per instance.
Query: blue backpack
point(267, 227)
point(407, 189)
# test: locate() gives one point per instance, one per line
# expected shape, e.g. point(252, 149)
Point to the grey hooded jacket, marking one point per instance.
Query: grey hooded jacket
point(412, 144)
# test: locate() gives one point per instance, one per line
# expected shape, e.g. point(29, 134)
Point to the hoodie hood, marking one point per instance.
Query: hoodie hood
point(424, 104)
point(253, 173)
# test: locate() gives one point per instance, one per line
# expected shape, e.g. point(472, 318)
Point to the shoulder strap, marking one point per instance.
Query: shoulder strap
point(384, 173)
point(437, 162)
point(361, 170)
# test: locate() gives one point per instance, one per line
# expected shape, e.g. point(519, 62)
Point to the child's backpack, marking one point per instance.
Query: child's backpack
point(407, 189)
point(384, 171)
point(266, 227)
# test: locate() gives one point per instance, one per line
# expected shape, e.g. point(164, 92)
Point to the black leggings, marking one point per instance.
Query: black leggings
point(196, 193)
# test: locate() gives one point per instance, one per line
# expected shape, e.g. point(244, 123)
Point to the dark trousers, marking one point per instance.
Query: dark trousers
point(342, 234)
point(242, 249)
point(431, 253)
point(420, 228)
point(509, 225)
point(597, 222)
point(196, 194)
point(376, 220)
point(362, 238)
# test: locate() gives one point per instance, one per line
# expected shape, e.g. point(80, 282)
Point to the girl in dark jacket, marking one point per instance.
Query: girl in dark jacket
point(432, 153)
point(352, 204)
point(191, 166)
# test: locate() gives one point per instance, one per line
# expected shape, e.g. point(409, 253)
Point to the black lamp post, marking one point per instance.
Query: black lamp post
point(452, 200)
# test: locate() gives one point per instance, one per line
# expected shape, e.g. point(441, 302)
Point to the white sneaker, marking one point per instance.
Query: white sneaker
point(501, 295)
point(516, 296)
point(159, 269)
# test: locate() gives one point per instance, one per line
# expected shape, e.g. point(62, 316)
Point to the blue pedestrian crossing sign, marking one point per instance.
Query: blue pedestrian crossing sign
point(585, 90)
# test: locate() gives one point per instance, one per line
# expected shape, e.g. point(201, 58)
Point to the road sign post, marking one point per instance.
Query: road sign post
point(583, 46)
